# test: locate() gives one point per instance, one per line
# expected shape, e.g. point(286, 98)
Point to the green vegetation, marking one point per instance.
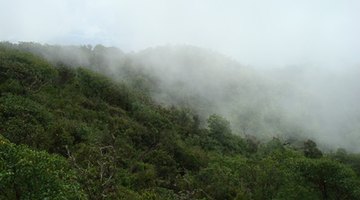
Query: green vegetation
point(70, 133)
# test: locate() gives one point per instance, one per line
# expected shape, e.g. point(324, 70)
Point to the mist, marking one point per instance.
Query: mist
point(291, 103)
point(257, 33)
point(299, 101)
point(273, 69)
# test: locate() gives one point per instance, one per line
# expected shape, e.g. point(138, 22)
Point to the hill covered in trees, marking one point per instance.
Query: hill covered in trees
point(72, 128)
point(292, 103)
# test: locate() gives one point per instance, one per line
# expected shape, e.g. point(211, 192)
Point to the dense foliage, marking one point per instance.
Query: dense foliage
point(70, 133)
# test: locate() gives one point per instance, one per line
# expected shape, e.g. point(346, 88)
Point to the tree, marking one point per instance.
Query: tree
point(219, 129)
point(310, 150)
point(329, 178)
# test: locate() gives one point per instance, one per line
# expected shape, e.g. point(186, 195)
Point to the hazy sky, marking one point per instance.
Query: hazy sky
point(254, 32)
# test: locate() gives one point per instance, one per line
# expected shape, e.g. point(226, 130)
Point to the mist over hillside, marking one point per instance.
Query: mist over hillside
point(295, 102)
point(305, 101)
point(69, 132)
point(180, 99)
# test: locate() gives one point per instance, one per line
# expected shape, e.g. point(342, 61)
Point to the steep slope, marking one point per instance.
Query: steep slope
point(297, 102)
point(116, 139)
point(120, 144)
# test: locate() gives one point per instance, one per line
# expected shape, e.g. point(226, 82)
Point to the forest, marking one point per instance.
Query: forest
point(83, 122)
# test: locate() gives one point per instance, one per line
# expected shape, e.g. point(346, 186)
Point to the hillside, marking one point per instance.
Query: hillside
point(68, 132)
point(292, 103)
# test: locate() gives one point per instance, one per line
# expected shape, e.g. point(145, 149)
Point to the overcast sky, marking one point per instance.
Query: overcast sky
point(254, 32)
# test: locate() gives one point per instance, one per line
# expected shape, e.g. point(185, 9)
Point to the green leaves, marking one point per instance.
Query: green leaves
point(24, 121)
point(31, 71)
point(27, 174)
point(94, 85)
point(329, 178)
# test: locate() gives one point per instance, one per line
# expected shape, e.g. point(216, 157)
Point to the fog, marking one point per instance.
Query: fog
point(258, 32)
point(279, 68)
point(292, 102)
